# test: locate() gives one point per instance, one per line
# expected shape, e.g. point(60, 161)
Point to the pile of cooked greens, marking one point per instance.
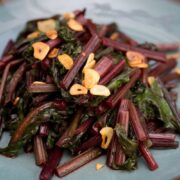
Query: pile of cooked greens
point(70, 84)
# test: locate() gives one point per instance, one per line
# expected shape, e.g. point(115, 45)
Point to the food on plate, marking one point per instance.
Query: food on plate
point(70, 84)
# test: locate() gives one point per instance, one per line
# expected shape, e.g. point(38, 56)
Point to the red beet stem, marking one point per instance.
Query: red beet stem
point(160, 69)
point(29, 78)
point(89, 48)
point(39, 151)
point(127, 39)
point(78, 161)
point(5, 60)
point(158, 143)
point(123, 120)
point(42, 88)
point(103, 66)
point(136, 123)
point(151, 126)
point(17, 77)
point(148, 157)
point(113, 73)
point(168, 46)
point(79, 12)
point(173, 95)
point(92, 142)
point(162, 136)
point(170, 77)
point(103, 30)
point(170, 85)
point(39, 99)
point(5, 75)
point(83, 127)
point(53, 160)
point(100, 123)
point(113, 100)
point(111, 152)
point(153, 55)
point(144, 74)
point(59, 104)
point(101, 108)
point(80, 17)
point(91, 27)
point(29, 119)
point(123, 106)
point(69, 133)
point(53, 43)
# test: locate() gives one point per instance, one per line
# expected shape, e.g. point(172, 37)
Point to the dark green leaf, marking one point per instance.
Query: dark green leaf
point(129, 146)
point(129, 164)
point(152, 104)
point(66, 34)
point(72, 48)
point(119, 80)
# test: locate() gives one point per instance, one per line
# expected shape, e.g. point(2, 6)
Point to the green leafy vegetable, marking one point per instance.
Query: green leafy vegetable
point(72, 48)
point(103, 52)
point(119, 80)
point(13, 149)
point(117, 56)
point(129, 147)
point(65, 33)
point(129, 164)
point(152, 104)
point(49, 115)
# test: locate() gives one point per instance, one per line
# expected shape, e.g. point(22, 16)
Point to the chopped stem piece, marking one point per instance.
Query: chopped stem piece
point(39, 151)
point(89, 48)
point(77, 162)
point(148, 157)
point(136, 123)
point(68, 134)
point(53, 160)
point(113, 100)
point(158, 56)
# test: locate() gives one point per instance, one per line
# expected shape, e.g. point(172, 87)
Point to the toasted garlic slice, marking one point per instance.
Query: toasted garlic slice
point(46, 25)
point(40, 50)
point(100, 90)
point(90, 62)
point(151, 80)
point(106, 135)
point(38, 82)
point(52, 34)
point(143, 66)
point(69, 15)
point(91, 78)
point(77, 89)
point(114, 36)
point(90, 65)
point(66, 61)
point(90, 58)
point(177, 71)
point(33, 35)
point(16, 101)
point(136, 59)
point(99, 166)
point(74, 25)
point(53, 53)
